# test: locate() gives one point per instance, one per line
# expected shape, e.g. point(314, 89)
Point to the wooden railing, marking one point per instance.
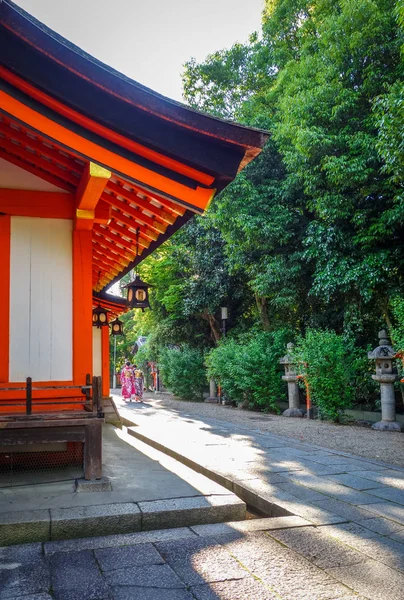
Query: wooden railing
point(91, 402)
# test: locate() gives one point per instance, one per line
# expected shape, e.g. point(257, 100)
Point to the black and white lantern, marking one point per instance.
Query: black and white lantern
point(100, 317)
point(138, 294)
point(116, 327)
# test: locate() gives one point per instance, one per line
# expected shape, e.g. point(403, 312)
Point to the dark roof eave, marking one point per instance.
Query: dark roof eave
point(102, 76)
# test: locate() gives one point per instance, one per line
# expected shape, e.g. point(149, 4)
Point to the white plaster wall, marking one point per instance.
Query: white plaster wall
point(41, 292)
point(97, 352)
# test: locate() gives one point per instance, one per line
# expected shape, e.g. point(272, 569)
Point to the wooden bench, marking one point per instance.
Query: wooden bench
point(82, 425)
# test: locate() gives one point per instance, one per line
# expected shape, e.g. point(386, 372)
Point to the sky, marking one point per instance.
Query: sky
point(150, 40)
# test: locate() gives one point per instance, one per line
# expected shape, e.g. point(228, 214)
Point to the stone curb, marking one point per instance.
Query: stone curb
point(175, 534)
point(21, 527)
point(237, 487)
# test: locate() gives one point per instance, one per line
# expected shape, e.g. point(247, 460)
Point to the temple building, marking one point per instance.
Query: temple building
point(96, 172)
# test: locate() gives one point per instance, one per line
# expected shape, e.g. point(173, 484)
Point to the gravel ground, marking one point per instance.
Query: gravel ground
point(361, 441)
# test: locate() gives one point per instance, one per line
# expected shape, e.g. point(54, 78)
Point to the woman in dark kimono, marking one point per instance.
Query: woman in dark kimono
point(127, 381)
point(139, 383)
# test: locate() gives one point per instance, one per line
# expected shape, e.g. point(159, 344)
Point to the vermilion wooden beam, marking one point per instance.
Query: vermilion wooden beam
point(5, 232)
point(159, 213)
point(102, 213)
point(92, 185)
point(82, 306)
point(134, 212)
point(196, 199)
point(27, 203)
point(15, 160)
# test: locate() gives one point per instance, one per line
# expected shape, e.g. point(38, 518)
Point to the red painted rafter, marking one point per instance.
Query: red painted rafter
point(39, 162)
point(36, 144)
point(134, 212)
point(177, 209)
point(46, 176)
point(116, 239)
point(133, 198)
point(119, 231)
point(143, 231)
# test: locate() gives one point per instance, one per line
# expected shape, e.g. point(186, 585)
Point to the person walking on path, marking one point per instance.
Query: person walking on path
point(127, 382)
point(139, 384)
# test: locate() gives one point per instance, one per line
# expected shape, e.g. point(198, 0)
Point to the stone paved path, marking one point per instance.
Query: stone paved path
point(355, 507)
point(349, 546)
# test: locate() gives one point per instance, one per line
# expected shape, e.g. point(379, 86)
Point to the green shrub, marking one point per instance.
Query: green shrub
point(327, 360)
point(248, 368)
point(182, 371)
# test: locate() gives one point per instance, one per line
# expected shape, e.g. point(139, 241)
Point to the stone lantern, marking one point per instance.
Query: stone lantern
point(291, 377)
point(386, 375)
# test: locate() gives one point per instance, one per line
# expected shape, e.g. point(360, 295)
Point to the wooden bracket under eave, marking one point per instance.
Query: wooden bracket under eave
point(92, 184)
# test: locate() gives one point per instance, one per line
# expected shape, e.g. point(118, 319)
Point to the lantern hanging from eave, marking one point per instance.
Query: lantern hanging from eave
point(138, 294)
point(100, 317)
point(116, 327)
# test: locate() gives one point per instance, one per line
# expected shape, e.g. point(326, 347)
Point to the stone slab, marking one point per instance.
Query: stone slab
point(372, 579)
point(251, 525)
point(114, 541)
point(200, 561)
point(150, 576)
point(142, 593)
point(20, 527)
point(356, 482)
point(343, 509)
point(315, 545)
point(24, 580)
point(234, 590)
point(383, 527)
point(88, 521)
point(394, 495)
point(180, 512)
point(97, 485)
point(390, 510)
point(75, 576)
point(112, 559)
point(284, 571)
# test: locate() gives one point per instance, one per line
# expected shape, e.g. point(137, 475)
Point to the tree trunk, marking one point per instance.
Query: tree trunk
point(214, 326)
point(262, 305)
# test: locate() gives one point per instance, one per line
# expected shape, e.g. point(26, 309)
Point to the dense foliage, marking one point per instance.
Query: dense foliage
point(310, 235)
point(326, 361)
point(247, 368)
point(183, 372)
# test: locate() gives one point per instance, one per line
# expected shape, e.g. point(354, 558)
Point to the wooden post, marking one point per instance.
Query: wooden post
point(94, 394)
point(28, 399)
point(99, 396)
point(93, 450)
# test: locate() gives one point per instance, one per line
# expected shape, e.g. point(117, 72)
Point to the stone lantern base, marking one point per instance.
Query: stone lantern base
point(387, 426)
point(293, 412)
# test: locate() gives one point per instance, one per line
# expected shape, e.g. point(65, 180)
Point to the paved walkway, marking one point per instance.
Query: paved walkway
point(348, 546)
point(355, 507)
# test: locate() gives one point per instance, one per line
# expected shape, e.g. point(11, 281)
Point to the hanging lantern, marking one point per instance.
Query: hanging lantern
point(100, 317)
point(138, 294)
point(116, 327)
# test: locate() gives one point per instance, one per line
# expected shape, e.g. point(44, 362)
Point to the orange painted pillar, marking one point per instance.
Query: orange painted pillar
point(5, 229)
point(82, 306)
point(105, 360)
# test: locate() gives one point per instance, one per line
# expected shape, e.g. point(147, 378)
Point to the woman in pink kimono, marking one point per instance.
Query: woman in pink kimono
point(128, 382)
